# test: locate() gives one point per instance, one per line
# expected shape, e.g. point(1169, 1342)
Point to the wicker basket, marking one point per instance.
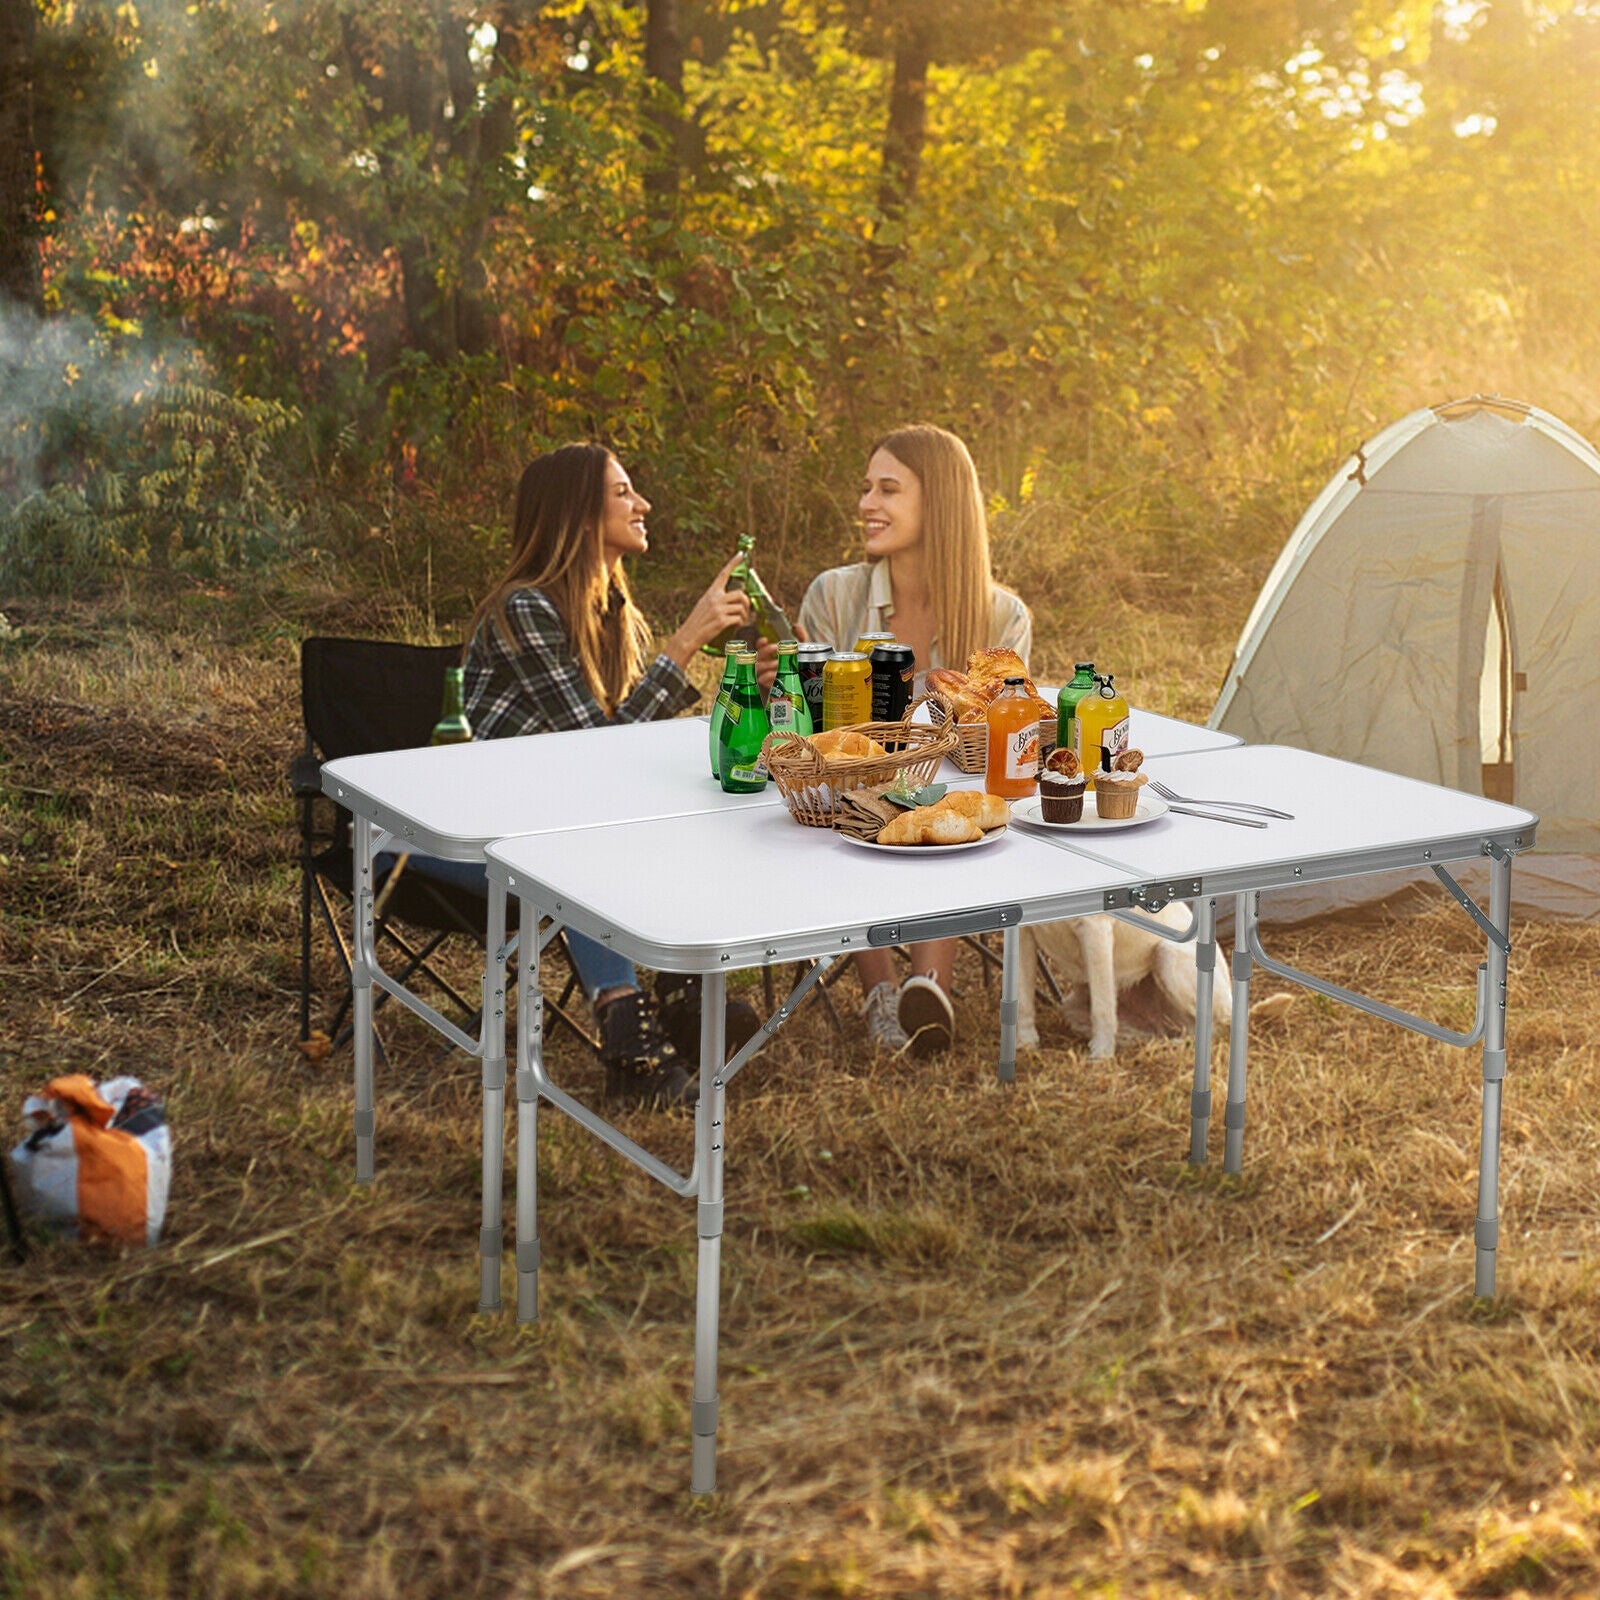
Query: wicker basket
point(971, 753)
point(811, 785)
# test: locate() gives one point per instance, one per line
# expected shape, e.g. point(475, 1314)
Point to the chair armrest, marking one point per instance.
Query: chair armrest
point(305, 777)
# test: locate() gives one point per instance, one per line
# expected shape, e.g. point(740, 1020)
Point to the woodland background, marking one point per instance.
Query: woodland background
point(298, 284)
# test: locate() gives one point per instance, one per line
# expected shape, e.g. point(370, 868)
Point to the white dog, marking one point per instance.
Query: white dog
point(1111, 972)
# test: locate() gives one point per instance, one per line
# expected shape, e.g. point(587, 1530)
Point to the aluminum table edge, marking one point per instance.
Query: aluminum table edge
point(844, 939)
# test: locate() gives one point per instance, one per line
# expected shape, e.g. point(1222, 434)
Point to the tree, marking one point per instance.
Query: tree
point(19, 183)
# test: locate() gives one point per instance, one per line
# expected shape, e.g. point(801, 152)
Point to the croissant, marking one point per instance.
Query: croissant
point(995, 665)
point(987, 671)
point(972, 704)
point(839, 744)
point(987, 810)
point(930, 825)
point(945, 681)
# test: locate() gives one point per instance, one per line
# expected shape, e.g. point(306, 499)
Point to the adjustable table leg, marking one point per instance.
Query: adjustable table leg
point(1010, 977)
point(361, 992)
point(1205, 965)
point(1238, 1034)
point(530, 1064)
point(1487, 1231)
point(709, 1140)
point(493, 1036)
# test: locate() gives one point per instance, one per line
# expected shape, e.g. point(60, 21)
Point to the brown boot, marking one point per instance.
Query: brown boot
point(642, 1068)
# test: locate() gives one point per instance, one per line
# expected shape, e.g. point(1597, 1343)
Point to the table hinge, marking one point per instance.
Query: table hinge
point(1154, 897)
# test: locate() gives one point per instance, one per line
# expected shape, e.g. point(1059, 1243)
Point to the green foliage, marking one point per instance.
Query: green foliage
point(1165, 263)
point(188, 482)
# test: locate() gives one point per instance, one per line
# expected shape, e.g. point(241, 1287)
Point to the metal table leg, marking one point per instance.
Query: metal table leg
point(1486, 1233)
point(709, 1141)
point(361, 956)
point(1238, 1034)
point(530, 1063)
point(494, 1098)
point(1010, 976)
point(1205, 963)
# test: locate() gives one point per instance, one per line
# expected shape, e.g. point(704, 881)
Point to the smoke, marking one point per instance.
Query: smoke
point(70, 395)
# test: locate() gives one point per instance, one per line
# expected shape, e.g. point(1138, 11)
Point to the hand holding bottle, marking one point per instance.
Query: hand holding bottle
point(715, 612)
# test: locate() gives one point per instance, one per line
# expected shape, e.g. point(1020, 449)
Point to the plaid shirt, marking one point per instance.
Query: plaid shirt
point(535, 685)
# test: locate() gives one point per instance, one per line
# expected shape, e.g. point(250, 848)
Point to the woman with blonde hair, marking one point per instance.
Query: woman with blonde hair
point(927, 580)
point(558, 643)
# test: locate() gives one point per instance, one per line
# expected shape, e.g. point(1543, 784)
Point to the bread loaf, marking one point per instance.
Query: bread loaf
point(930, 825)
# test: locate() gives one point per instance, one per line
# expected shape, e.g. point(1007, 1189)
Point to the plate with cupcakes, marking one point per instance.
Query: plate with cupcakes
point(1120, 798)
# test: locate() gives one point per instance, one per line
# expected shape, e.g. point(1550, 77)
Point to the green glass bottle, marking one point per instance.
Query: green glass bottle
point(787, 708)
point(452, 726)
point(744, 729)
point(1067, 702)
point(739, 578)
point(719, 708)
point(770, 620)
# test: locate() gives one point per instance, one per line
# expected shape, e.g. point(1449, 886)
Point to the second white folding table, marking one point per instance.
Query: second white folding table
point(661, 892)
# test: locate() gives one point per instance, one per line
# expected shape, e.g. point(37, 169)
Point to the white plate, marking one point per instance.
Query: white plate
point(1031, 814)
point(921, 849)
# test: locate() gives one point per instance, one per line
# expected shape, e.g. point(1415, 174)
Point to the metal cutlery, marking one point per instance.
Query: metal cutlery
point(1174, 798)
point(1217, 816)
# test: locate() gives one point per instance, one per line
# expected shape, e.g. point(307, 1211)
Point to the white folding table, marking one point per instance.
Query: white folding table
point(658, 892)
point(453, 801)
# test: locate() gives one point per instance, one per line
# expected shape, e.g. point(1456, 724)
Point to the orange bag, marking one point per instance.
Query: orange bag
point(99, 1159)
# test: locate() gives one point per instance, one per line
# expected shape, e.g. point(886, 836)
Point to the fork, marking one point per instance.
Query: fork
point(1175, 798)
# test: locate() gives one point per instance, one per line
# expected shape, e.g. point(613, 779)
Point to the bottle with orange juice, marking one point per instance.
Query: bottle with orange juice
point(1012, 770)
point(1100, 726)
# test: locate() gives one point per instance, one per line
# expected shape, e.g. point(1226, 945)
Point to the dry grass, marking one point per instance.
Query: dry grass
point(974, 1342)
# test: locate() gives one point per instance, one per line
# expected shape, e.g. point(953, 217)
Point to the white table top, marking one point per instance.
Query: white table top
point(453, 801)
point(1349, 819)
point(726, 890)
point(737, 889)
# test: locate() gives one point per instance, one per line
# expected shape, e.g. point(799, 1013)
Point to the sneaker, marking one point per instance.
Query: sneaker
point(642, 1067)
point(678, 1003)
point(926, 1016)
point(883, 1026)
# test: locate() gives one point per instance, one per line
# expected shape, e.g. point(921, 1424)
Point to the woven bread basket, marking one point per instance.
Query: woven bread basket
point(971, 753)
point(811, 784)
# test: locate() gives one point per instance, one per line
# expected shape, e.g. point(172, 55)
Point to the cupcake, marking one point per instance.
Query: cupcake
point(1061, 786)
point(1116, 793)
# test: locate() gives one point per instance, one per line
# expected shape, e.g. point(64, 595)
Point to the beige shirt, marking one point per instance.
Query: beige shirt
point(845, 602)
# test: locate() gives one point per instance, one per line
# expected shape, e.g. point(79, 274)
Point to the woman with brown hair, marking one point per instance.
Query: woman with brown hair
point(558, 643)
point(928, 581)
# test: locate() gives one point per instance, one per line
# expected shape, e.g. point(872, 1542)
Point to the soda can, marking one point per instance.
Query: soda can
point(894, 671)
point(812, 657)
point(846, 690)
point(868, 642)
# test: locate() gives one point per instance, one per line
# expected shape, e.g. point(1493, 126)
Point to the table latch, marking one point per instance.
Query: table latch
point(1153, 897)
point(948, 925)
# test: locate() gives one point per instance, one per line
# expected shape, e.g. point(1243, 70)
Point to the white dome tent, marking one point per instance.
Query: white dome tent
point(1436, 613)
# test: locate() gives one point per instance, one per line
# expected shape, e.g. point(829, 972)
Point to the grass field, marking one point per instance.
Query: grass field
point(974, 1342)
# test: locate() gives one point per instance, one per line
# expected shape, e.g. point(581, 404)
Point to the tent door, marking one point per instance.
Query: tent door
point(1495, 694)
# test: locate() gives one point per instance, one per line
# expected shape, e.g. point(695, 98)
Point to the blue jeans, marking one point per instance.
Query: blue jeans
point(597, 967)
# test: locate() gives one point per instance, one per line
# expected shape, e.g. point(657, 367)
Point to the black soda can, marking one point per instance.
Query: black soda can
point(894, 671)
point(812, 657)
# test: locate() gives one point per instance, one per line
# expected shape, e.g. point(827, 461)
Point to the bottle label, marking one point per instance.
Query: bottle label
point(1022, 753)
point(754, 773)
point(780, 713)
point(732, 711)
point(1113, 741)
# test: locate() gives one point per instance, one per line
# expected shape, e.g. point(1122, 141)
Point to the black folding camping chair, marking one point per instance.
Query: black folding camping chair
point(359, 696)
